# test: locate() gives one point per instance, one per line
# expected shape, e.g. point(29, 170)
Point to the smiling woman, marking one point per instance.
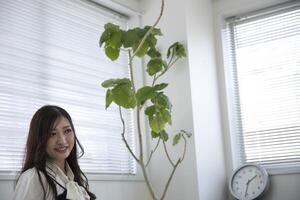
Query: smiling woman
point(51, 169)
point(60, 142)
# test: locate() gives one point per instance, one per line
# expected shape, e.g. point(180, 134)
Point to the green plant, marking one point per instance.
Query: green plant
point(141, 42)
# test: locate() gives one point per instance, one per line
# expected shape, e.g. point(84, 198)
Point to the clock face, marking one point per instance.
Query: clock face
point(249, 182)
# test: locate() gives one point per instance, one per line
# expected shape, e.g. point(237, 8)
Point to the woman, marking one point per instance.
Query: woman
point(51, 169)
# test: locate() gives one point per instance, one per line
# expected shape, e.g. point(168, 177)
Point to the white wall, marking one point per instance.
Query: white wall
point(205, 98)
point(193, 91)
point(283, 186)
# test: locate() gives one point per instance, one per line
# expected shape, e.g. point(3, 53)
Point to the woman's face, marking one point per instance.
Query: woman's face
point(61, 141)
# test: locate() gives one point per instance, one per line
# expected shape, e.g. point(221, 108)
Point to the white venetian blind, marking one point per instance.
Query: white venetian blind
point(265, 71)
point(49, 54)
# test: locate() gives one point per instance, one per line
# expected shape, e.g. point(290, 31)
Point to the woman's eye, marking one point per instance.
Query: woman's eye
point(68, 131)
point(53, 133)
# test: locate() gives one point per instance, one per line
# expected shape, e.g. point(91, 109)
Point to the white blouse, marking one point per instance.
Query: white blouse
point(30, 188)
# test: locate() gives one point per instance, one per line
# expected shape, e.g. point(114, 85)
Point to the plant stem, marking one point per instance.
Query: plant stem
point(152, 152)
point(140, 138)
point(138, 109)
point(166, 150)
point(154, 78)
point(184, 150)
point(140, 161)
point(124, 139)
point(170, 178)
point(169, 66)
point(142, 155)
point(174, 62)
point(174, 169)
point(131, 70)
point(150, 30)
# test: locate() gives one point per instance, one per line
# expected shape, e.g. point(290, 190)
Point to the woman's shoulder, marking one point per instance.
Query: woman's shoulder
point(29, 173)
point(29, 185)
point(32, 176)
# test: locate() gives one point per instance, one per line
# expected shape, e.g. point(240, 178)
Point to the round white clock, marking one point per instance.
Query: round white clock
point(249, 182)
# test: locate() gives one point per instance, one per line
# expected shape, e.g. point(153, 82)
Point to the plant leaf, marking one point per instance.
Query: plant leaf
point(180, 51)
point(156, 123)
point(141, 32)
point(154, 66)
point(155, 31)
point(188, 134)
point(109, 29)
point(171, 49)
point(150, 110)
point(112, 53)
point(130, 38)
point(108, 83)
point(160, 86)
point(176, 49)
point(154, 135)
point(111, 26)
point(111, 36)
point(145, 93)
point(113, 82)
point(162, 101)
point(176, 138)
point(105, 35)
point(151, 40)
point(115, 39)
point(154, 53)
point(164, 135)
point(108, 99)
point(166, 116)
point(143, 50)
point(124, 96)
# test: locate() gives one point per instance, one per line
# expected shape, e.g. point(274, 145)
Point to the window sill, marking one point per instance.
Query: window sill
point(91, 177)
point(114, 177)
point(283, 170)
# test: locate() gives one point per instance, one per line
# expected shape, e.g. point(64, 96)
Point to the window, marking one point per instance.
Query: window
point(264, 73)
point(50, 55)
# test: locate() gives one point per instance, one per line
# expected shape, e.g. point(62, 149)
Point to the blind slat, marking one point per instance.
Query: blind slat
point(50, 55)
point(264, 59)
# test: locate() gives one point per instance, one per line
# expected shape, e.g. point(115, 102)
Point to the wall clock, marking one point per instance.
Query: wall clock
point(249, 181)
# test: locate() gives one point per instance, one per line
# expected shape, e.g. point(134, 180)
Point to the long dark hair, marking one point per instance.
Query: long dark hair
point(36, 156)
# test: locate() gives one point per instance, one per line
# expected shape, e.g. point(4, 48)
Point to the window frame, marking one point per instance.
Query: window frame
point(226, 79)
point(133, 19)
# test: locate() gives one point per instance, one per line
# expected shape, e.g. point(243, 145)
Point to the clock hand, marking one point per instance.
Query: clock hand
point(252, 178)
point(247, 185)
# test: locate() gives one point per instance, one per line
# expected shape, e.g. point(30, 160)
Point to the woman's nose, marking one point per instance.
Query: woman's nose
point(61, 139)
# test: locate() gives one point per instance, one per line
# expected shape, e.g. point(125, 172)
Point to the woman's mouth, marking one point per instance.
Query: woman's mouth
point(61, 149)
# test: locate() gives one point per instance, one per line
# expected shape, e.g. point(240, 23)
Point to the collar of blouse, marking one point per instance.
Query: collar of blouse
point(74, 191)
